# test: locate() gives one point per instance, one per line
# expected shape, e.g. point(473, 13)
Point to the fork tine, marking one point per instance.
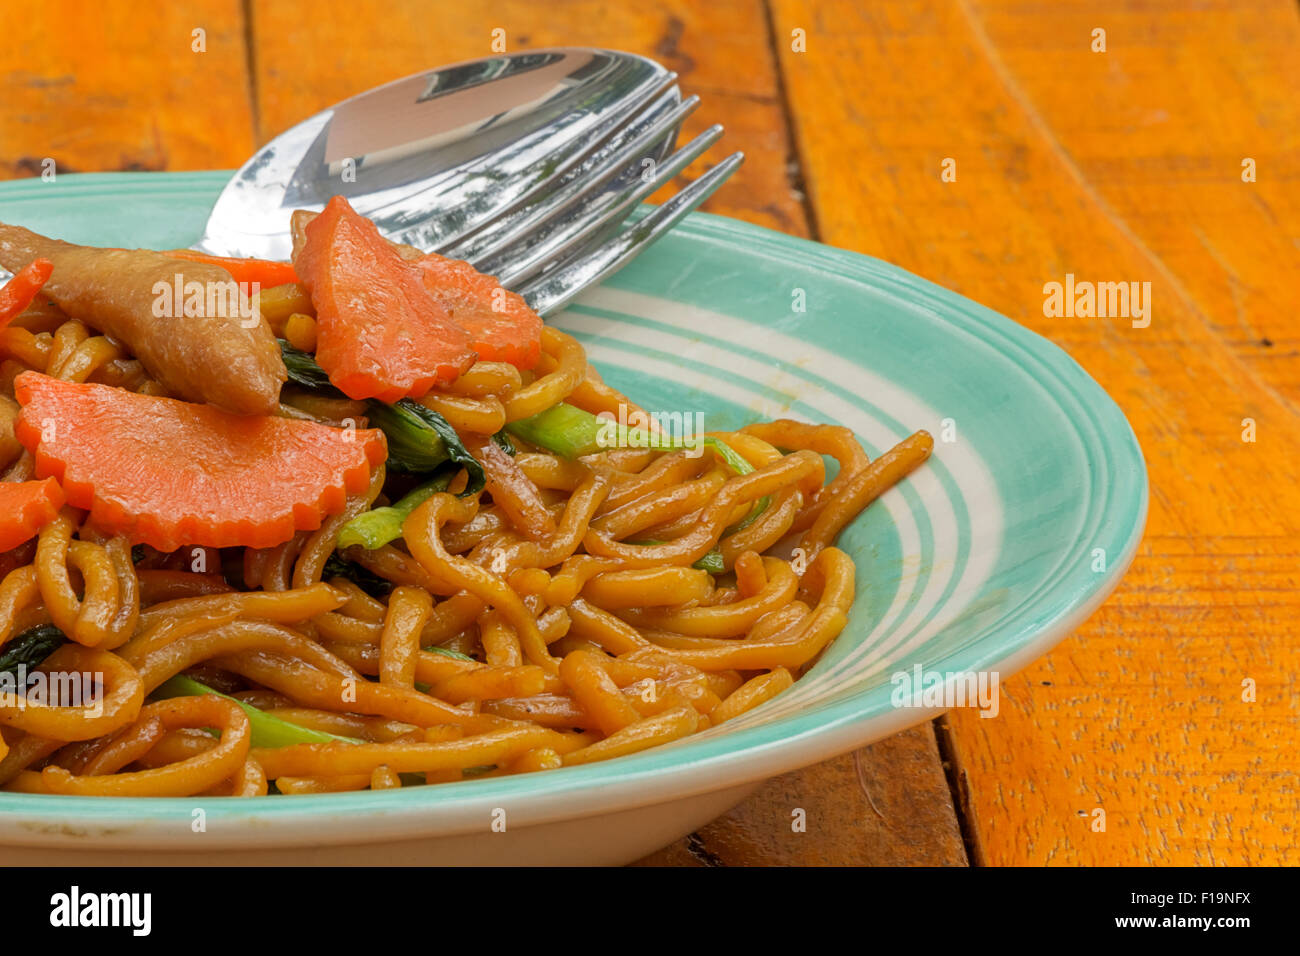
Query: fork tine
point(652, 132)
point(480, 205)
point(513, 266)
point(552, 291)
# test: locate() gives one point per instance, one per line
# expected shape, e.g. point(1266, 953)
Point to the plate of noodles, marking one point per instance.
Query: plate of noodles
point(353, 559)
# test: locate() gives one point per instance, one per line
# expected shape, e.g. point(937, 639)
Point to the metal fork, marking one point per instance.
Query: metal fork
point(595, 262)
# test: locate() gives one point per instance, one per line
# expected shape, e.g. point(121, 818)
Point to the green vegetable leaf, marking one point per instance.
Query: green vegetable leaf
point(378, 526)
point(30, 648)
point(568, 431)
point(448, 652)
point(502, 438)
point(419, 440)
point(303, 369)
point(711, 562)
point(268, 730)
point(364, 578)
point(572, 432)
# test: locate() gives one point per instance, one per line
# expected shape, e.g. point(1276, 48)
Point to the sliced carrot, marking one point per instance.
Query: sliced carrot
point(380, 332)
point(25, 508)
point(501, 326)
point(169, 473)
point(19, 291)
point(264, 272)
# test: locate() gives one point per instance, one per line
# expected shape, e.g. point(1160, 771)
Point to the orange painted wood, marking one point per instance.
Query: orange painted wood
point(100, 86)
point(1115, 166)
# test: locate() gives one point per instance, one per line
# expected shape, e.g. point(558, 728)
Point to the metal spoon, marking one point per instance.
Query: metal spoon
point(438, 156)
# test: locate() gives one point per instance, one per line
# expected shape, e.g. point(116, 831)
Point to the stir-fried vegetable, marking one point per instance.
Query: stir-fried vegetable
point(268, 730)
point(17, 294)
point(571, 432)
point(568, 431)
point(500, 325)
point(25, 508)
point(711, 562)
point(367, 580)
point(419, 439)
point(265, 273)
point(304, 371)
point(170, 473)
point(380, 332)
point(30, 648)
point(378, 526)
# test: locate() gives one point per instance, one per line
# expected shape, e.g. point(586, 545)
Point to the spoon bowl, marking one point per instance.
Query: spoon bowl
point(433, 156)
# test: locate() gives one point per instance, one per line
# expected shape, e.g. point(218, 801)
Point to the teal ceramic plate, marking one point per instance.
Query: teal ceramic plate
point(1024, 520)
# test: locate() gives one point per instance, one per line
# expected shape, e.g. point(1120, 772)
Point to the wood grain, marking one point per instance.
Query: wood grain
point(884, 805)
point(117, 86)
point(1207, 89)
point(1115, 166)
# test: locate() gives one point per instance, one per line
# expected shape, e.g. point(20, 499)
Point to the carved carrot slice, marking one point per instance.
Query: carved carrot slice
point(379, 332)
point(19, 291)
point(265, 272)
point(501, 326)
point(168, 473)
point(25, 508)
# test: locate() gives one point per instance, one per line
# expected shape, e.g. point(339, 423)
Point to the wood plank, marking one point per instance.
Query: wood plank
point(116, 86)
point(1178, 185)
point(883, 805)
point(1140, 713)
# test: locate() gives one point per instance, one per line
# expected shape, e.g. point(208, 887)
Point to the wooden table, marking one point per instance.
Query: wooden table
point(1119, 165)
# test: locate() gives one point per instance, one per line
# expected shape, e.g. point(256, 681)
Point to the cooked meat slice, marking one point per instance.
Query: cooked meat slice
point(225, 359)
